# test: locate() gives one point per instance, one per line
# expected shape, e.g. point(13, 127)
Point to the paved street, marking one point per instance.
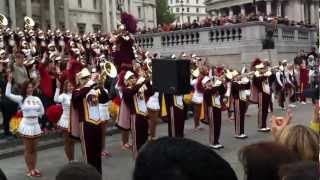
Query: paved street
point(119, 167)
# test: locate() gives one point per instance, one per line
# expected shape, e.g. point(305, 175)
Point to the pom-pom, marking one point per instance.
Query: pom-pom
point(15, 122)
point(54, 113)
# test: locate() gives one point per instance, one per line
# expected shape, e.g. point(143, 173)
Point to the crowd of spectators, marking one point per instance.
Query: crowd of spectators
point(225, 20)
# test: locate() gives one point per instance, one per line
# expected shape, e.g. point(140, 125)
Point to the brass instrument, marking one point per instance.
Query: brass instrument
point(28, 22)
point(108, 69)
point(3, 21)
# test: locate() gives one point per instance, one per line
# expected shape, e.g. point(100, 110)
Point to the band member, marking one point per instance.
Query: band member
point(133, 95)
point(261, 82)
point(85, 102)
point(304, 80)
point(172, 111)
point(29, 128)
point(65, 99)
point(281, 86)
point(239, 95)
point(212, 102)
point(291, 85)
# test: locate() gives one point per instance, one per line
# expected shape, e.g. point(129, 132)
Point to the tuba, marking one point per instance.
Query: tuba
point(28, 23)
point(3, 21)
point(108, 69)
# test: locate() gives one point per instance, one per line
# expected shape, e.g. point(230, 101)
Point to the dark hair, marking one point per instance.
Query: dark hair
point(78, 171)
point(180, 159)
point(262, 160)
point(24, 88)
point(65, 86)
point(2, 175)
point(303, 170)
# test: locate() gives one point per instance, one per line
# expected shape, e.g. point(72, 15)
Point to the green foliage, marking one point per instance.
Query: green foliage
point(164, 15)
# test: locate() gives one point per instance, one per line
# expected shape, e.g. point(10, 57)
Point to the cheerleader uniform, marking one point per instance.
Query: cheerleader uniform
point(104, 111)
point(153, 102)
point(32, 109)
point(197, 97)
point(65, 100)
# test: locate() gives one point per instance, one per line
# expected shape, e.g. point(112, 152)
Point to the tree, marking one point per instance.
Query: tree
point(164, 15)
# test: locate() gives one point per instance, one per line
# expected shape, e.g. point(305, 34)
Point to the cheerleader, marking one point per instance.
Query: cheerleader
point(197, 98)
point(105, 118)
point(212, 103)
point(133, 96)
point(29, 128)
point(291, 85)
point(65, 99)
point(280, 86)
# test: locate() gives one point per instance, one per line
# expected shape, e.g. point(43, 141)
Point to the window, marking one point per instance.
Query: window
point(177, 1)
point(171, 1)
point(80, 3)
point(96, 27)
point(189, 19)
point(188, 9)
point(197, 1)
point(177, 9)
point(81, 27)
point(139, 13)
point(188, 1)
point(197, 10)
point(94, 4)
point(198, 19)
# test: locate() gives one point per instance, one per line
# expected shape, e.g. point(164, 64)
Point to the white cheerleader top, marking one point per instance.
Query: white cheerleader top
point(197, 96)
point(31, 106)
point(64, 99)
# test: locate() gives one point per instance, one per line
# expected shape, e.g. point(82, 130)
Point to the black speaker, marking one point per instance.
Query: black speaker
point(171, 76)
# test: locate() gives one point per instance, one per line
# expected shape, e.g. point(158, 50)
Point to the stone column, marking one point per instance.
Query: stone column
point(145, 8)
point(279, 7)
point(28, 8)
point(268, 7)
point(12, 13)
point(230, 12)
point(130, 8)
point(155, 16)
point(125, 6)
point(43, 15)
point(219, 12)
point(243, 9)
point(66, 14)
point(52, 15)
point(106, 25)
point(114, 14)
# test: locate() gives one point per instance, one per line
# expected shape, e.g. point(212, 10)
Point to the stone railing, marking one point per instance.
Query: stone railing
point(235, 39)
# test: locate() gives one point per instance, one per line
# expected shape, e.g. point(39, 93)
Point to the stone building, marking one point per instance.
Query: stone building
point(188, 10)
point(297, 10)
point(78, 15)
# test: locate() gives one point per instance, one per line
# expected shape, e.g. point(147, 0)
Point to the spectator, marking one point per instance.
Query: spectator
point(78, 171)
point(2, 175)
point(263, 160)
point(302, 140)
point(304, 170)
point(179, 159)
point(300, 58)
point(19, 71)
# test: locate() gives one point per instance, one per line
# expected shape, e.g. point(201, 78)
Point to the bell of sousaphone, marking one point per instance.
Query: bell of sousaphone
point(110, 69)
point(28, 22)
point(3, 20)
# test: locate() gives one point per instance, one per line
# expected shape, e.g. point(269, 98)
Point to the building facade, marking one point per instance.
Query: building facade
point(188, 10)
point(297, 10)
point(78, 15)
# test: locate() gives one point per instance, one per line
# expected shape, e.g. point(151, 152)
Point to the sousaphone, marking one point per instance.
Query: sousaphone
point(109, 69)
point(28, 22)
point(3, 21)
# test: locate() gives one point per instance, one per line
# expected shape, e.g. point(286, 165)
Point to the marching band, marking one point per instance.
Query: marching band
point(81, 66)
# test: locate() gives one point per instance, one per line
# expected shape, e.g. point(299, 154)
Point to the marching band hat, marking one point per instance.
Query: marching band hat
point(128, 75)
point(235, 73)
point(284, 61)
point(84, 73)
point(193, 55)
point(2, 51)
point(259, 66)
point(205, 80)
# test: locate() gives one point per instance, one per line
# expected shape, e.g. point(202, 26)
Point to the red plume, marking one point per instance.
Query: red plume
point(129, 21)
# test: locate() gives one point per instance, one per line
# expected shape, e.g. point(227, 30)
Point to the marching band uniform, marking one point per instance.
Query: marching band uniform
point(291, 86)
point(239, 96)
point(134, 98)
point(261, 82)
point(213, 103)
point(32, 109)
point(304, 80)
point(65, 100)
point(85, 103)
point(172, 111)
